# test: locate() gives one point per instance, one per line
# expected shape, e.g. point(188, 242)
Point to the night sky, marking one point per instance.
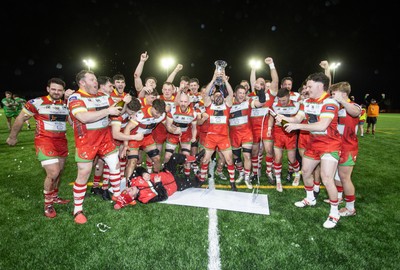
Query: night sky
point(44, 39)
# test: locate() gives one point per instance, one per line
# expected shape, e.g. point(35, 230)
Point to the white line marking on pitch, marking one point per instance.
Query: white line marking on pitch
point(214, 260)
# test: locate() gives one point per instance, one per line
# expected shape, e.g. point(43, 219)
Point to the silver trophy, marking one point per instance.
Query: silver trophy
point(220, 67)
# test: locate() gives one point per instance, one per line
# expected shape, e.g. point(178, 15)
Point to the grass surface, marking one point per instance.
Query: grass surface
point(160, 236)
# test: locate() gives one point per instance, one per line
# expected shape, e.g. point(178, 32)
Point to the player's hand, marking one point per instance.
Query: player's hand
point(68, 93)
point(290, 127)
point(179, 67)
point(114, 110)
point(178, 131)
point(138, 137)
point(127, 98)
point(144, 57)
point(269, 60)
point(157, 179)
point(324, 64)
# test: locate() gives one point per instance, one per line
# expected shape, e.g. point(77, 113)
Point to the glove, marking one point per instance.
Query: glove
point(261, 95)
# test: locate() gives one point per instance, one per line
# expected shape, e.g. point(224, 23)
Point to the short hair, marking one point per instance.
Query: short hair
point(56, 81)
point(185, 78)
point(102, 80)
point(81, 74)
point(319, 77)
point(341, 86)
point(139, 171)
point(150, 78)
point(8, 92)
point(286, 79)
point(134, 105)
point(169, 84)
point(159, 105)
point(283, 92)
point(238, 87)
point(118, 77)
point(194, 80)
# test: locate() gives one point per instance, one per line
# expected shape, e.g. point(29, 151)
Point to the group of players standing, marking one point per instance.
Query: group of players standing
point(241, 124)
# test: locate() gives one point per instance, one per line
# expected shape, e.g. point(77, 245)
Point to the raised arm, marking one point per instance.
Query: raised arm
point(210, 85)
point(138, 72)
point(229, 98)
point(274, 76)
point(325, 65)
point(171, 76)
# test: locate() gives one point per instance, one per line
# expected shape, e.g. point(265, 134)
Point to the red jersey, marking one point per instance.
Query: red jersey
point(81, 101)
point(116, 96)
point(315, 109)
point(147, 190)
point(146, 121)
point(239, 116)
point(143, 101)
point(120, 121)
point(50, 116)
point(259, 116)
point(218, 120)
point(183, 120)
point(289, 110)
point(347, 126)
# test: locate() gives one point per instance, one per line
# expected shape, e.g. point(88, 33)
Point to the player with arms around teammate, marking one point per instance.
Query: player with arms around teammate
point(90, 111)
point(321, 112)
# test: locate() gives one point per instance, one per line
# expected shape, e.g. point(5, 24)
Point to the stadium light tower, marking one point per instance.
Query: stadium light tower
point(333, 67)
point(167, 62)
point(89, 63)
point(255, 63)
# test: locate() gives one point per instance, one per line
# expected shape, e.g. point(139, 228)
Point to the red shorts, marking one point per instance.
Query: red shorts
point(284, 140)
point(174, 139)
point(257, 135)
point(101, 147)
point(160, 134)
point(51, 148)
point(348, 158)
point(202, 137)
point(143, 144)
point(240, 138)
point(304, 140)
point(213, 141)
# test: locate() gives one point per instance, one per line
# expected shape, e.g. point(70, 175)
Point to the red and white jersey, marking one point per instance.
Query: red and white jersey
point(314, 110)
point(143, 101)
point(116, 96)
point(259, 116)
point(239, 116)
point(202, 109)
point(289, 110)
point(347, 126)
point(169, 104)
point(183, 120)
point(195, 98)
point(82, 101)
point(146, 122)
point(294, 96)
point(121, 121)
point(218, 120)
point(50, 116)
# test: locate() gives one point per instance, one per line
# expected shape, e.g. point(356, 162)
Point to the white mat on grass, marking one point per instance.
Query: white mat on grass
point(221, 199)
